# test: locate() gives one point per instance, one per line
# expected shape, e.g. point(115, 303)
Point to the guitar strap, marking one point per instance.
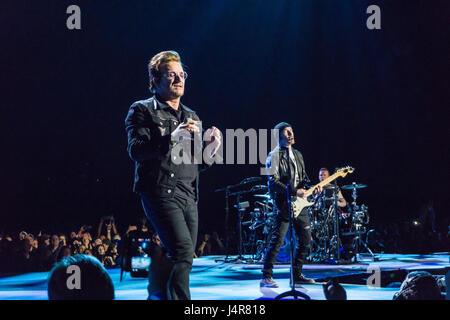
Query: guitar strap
point(302, 164)
point(293, 159)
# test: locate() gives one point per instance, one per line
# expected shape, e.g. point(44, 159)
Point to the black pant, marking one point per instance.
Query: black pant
point(176, 222)
point(302, 229)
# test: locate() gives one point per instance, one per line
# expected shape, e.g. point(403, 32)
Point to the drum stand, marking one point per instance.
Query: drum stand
point(314, 243)
point(228, 194)
point(239, 258)
point(227, 189)
point(227, 245)
point(335, 242)
point(358, 240)
point(264, 244)
point(227, 210)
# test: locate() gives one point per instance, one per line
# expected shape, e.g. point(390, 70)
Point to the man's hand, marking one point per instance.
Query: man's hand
point(317, 190)
point(301, 192)
point(181, 132)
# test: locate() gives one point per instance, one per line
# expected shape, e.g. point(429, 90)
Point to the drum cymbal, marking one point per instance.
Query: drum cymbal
point(259, 188)
point(354, 186)
point(331, 199)
point(265, 196)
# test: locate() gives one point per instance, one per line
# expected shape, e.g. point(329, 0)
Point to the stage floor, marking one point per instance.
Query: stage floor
point(213, 279)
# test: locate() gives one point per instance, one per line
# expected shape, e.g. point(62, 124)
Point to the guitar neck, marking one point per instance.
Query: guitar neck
point(323, 183)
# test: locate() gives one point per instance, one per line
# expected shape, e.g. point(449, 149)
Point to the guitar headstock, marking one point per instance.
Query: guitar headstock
point(344, 171)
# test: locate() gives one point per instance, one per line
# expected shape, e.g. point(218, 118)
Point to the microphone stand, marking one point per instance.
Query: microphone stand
point(294, 293)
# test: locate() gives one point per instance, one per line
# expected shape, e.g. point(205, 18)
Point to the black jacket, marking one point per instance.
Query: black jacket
point(277, 161)
point(150, 146)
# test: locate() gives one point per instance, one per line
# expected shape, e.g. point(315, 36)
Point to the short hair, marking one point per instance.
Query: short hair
point(95, 282)
point(281, 126)
point(156, 62)
point(324, 169)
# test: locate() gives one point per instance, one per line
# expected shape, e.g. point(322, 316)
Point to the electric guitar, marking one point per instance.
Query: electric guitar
point(300, 203)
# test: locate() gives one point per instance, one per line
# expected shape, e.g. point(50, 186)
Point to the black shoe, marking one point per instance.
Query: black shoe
point(268, 283)
point(302, 280)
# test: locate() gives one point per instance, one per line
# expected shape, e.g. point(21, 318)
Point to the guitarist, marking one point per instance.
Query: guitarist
point(287, 162)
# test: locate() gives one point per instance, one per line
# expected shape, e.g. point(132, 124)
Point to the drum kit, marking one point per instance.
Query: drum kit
point(336, 234)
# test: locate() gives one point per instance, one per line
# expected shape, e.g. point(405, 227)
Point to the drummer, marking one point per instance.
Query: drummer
point(325, 173)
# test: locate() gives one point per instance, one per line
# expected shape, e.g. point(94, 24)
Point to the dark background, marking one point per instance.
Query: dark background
point(373, 99)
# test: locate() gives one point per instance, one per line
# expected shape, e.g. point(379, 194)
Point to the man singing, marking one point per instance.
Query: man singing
point(168, 188)
point(287, 167)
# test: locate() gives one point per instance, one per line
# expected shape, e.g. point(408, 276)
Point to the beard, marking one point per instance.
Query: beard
point(176, 92)
point(285, 141)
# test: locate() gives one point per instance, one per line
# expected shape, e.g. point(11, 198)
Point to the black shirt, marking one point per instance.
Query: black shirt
point(185, 187)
